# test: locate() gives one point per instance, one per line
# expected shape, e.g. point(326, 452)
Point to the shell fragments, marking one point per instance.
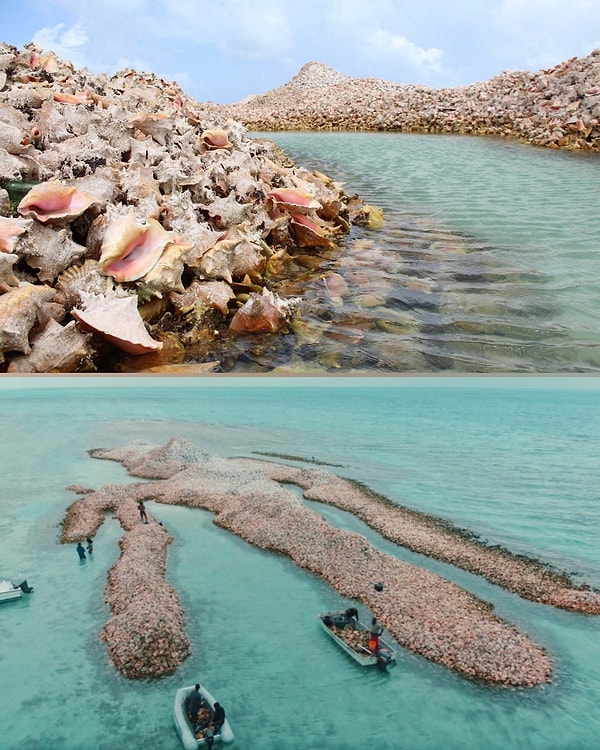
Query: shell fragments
point(52, 200)
point(130, 249)
point(118, 320)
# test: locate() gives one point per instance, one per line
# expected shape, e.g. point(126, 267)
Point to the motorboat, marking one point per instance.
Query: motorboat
point(354, 637)
point(192, 738)
point(10, 590)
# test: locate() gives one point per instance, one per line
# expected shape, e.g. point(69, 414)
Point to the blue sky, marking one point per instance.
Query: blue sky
point(225, 50)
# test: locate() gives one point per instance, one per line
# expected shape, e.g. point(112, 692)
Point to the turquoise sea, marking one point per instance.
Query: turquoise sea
point(487, 261)
point(514, 460)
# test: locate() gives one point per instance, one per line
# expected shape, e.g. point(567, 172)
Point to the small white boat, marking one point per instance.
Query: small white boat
point(184, 728)
point(353, 637)
point(10, 590)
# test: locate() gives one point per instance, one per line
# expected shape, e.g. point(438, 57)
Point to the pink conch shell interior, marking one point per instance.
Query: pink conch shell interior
point(131, 249)
point(215, 139)
point(53, 200)
point(294, 199)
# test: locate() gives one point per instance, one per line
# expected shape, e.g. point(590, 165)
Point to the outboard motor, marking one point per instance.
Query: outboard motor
point(25, 588)
point(383, 659)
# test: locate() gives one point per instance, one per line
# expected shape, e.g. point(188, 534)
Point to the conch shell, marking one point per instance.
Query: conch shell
point(294, 200)
point(53, 200)
point(215, 139)
point(131, 249)
point(266, 313)
point(118, 320)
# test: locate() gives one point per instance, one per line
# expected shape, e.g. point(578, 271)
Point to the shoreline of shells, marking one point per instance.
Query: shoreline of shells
point(136, 222)
point(558, 107)
point(424, 612)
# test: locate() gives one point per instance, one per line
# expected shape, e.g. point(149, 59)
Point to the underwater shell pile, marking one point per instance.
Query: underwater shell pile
point(137, 223)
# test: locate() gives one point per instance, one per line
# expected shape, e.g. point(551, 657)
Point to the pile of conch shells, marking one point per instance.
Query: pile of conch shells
point(134, 223)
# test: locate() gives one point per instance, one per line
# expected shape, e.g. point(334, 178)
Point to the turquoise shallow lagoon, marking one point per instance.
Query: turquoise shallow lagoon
point(514, 460)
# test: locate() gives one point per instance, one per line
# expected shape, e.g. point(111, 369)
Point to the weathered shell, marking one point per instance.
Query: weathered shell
point(165, 276)
point(215, 294)
point(52, 200)
point(7, 277)
point(266, 313)
point(10, 231)
point(19, 310)
point(157, 124)
point(79, 280)
point(130, 249)
point(308, 233)
point(118, 320)
point(233, 256)
point(49, 250)
point(56, 349)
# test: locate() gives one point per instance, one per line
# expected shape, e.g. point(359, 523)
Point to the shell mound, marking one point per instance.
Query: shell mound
point(558, 107)
point(424, 612)
point(167, 196)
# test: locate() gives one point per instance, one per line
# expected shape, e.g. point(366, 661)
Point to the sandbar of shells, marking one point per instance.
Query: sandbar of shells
point(424, 612)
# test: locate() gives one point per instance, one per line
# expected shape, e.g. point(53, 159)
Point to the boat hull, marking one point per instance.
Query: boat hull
point(183, 726)
point(8, 591)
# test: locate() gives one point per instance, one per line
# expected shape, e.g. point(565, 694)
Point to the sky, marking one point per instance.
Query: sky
point(225, 50)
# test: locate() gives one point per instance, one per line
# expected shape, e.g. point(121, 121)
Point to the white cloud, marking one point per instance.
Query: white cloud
point(67, 43)
point(398, 49)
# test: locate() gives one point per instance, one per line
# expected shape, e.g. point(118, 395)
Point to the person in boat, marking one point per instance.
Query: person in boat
point(351, 615)
point(193, 704)
point(80, 551)
point(375, 631)
point(218, 717)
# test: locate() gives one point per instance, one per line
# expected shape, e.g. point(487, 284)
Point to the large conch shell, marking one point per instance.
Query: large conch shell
point(52, 200)
point(266, 313)
point(155, 124)
point(131, 249)
point(118, 320)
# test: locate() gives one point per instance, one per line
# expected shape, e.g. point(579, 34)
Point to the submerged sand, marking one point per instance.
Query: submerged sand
point(424, 612)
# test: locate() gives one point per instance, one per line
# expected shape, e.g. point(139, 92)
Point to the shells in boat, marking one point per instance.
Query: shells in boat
point(56, 349)
point(19, 310)
point(118, 320)
point(52, 200)
point(262, 313)
point(130, 249)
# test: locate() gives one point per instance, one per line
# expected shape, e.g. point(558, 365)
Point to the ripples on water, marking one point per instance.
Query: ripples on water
point(487, 262)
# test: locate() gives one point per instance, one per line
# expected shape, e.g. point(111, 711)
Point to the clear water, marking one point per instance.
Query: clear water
point(488, 260)
point(514, 460)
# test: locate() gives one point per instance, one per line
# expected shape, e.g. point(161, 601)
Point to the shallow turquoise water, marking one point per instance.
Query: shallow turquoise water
point(487, 262)
point(515, 461)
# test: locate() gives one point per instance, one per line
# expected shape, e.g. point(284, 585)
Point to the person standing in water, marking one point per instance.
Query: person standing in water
point(80, 551)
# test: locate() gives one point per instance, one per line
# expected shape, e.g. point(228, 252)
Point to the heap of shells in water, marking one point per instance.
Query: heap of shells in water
point(133, 219)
